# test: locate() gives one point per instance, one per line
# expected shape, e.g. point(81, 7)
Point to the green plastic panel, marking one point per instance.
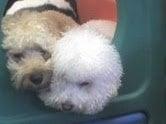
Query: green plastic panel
point(141, 40)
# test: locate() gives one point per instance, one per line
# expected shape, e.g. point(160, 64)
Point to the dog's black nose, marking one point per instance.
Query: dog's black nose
point(36, 78)
point(67, 106)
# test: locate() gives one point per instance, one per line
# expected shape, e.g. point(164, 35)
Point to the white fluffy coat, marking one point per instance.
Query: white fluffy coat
point(83, 55)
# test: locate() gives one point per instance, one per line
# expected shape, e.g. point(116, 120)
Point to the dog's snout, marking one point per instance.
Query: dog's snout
point(36, 78)
point(67, 106)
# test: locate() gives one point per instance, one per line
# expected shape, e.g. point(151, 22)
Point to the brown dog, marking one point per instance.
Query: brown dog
point(29, 36)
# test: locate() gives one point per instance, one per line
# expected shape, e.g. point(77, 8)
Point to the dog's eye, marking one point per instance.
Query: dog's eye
point(85, 83)
point(46, 55)
point(16, 56)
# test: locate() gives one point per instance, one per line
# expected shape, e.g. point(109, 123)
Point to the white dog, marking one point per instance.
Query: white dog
point(87, 70)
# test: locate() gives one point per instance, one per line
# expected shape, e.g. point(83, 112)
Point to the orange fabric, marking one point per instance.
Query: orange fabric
point(97, 9)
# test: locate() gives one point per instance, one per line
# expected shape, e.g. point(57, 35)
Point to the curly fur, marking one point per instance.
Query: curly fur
point(28, 31)
point(87, 72)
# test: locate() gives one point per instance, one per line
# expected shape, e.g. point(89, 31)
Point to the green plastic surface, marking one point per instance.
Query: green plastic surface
point(141, 40)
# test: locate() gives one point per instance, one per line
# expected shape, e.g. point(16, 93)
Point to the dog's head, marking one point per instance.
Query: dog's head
point(87, 72)
point(27, 42)
point(29, 37)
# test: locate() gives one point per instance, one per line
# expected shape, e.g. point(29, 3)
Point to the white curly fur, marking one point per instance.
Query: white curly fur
point(83, 55)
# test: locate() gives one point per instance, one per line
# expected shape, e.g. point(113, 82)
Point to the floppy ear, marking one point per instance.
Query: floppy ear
point(105, 27)
point(7, 24)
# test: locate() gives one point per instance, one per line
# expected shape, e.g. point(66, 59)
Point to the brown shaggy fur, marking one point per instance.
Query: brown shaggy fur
point(29, 39)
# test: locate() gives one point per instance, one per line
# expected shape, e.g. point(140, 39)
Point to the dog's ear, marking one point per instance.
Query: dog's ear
point(7, 24)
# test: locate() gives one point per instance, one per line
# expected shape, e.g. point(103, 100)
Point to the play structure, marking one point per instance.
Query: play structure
point(140, 38)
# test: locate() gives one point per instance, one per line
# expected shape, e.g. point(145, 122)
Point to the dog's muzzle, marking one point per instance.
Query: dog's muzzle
point(67, 106)
point(37, 80)
point(41, 80)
